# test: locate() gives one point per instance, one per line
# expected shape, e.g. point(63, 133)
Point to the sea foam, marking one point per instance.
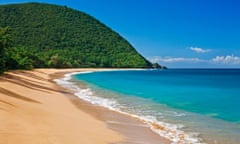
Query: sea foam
point(169, 131)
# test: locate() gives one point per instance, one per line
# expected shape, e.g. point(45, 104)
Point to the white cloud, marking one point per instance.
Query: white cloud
point(217, 61)
point(174, 59)
point(199, 50)
point(229, 59)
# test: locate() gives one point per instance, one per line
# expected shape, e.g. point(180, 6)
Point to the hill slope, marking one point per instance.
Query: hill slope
point(63, 37)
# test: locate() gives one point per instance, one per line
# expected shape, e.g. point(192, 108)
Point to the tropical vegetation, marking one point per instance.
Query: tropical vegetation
point(36, 35)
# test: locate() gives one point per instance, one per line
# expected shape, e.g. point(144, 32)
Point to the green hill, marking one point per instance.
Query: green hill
point(58, 36)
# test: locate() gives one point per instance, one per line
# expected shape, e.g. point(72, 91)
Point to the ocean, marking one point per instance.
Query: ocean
point(190, 106)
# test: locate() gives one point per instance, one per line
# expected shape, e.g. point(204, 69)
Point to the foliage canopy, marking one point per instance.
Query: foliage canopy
point(47, 35)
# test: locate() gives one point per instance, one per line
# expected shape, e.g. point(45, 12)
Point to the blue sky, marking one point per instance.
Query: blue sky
point(175, 33)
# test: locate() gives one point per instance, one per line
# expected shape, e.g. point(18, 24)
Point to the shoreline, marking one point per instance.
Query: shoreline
point(48, 113)
point(166, 134)
point(134, 129)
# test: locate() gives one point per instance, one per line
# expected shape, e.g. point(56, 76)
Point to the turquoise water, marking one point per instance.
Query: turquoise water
point(202, 103)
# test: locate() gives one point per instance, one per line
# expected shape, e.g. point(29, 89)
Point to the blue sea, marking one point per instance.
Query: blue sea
point(191, 106)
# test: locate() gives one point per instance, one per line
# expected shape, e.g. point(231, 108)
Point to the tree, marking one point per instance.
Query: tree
point(19, 58)
point(5, 41)
point(5, 37)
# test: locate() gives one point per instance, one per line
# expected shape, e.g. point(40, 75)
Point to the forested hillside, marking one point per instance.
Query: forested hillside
point(45, 35)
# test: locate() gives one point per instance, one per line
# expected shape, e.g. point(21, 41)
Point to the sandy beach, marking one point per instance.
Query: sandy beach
point(34, 109)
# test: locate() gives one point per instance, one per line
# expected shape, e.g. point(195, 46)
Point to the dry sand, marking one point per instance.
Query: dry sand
point(34, 110)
